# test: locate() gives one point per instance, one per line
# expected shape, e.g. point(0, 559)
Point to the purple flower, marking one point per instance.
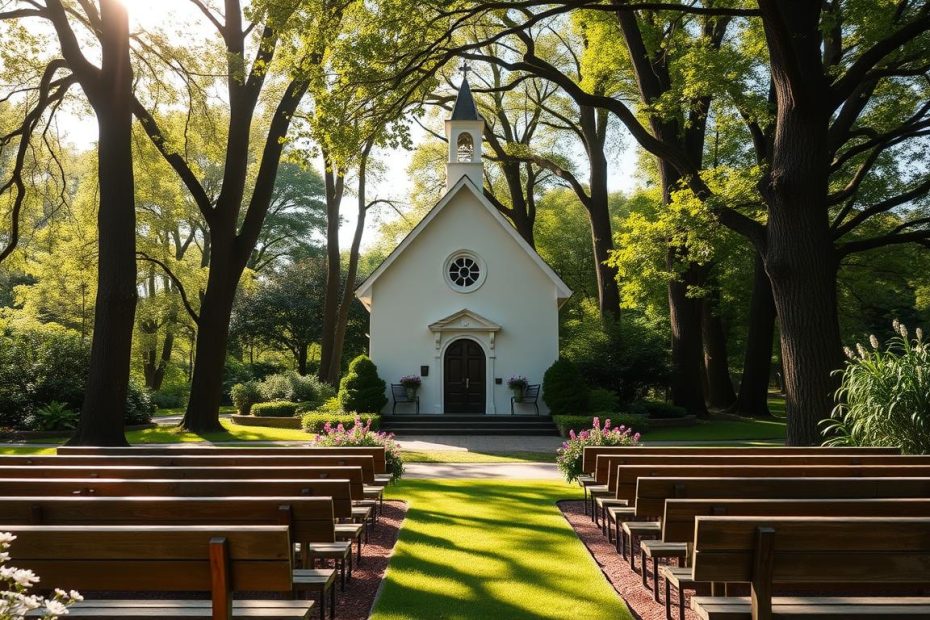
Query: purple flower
point(571, 433)
point(606, 424)
point(597, 422)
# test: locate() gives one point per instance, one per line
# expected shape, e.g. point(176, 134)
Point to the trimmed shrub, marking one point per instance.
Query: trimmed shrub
point(316, 421)
point(309, 389)
point(564, 391)
point(577, 423)
point(245, 395)
point(361, 389)
point(884, 398)
point(139, 404)
point(275, 409)
point(600, 399)
point(657, 409)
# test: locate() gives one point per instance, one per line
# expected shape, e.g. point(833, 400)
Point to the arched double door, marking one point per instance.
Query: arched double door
point(464, 378)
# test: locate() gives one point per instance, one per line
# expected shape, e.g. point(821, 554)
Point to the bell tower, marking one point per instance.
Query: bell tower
point(464, 130)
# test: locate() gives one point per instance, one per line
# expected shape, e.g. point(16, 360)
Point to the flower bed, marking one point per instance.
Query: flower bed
point(361, 434)
point(569, 456)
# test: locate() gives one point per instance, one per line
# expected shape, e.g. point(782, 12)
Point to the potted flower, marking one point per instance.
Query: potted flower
point(411, 383)
point(517, 385)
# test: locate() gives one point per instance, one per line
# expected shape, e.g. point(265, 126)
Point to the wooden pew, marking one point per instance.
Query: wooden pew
point(652, 494)
point(821, 551)
point(338, 490)
point(216, 559)
point(589, 458)
point(680, 514)
point(376, 452)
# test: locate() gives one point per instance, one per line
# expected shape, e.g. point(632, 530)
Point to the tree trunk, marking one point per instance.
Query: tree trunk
point(799, 255)
point(334, 191)
point(753, 395)
point(302, 360)
point(104, 409)
point(719, 392)
point(212, 337)
point(687, 350)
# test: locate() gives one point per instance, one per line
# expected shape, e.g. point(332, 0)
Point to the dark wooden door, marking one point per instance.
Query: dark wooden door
point(464, 378)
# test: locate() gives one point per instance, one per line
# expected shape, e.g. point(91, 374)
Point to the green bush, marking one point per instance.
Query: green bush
point(579, 423)
point(275, 409)
point(315, 421)
point(276, 387)
point(600, 399)
point(361, 389)
point(564, 391)
point(244, 396)
point(54, 416)
point(657, 409)
point(309, 389)
point(171, 396)
point(139, 405)
point(884, 398)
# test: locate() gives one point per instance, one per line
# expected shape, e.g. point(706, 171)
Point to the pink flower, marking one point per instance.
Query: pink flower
point(585, 434)
point(607, 424)
point(341, 428)
point(571, 433)
point(597, 422)
point(636, 437)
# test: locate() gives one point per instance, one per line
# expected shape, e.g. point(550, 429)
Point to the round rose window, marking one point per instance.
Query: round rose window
point(464, 271)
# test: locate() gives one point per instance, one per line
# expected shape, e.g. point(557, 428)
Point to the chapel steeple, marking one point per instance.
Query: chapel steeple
point(464, 130)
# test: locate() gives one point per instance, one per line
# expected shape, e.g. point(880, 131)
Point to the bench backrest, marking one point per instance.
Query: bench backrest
point(589, 454)
point(212, 558)
point(810, 550)
point(376, 452)
point(628, 476)
point(338, 490)
point(607, 464)
point(132, 472)
point(310, 518)
point(366, 462)
point(652, 493)
point(531, 393)
point(678, 521)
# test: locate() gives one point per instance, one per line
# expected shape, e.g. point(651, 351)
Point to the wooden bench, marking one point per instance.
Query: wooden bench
point(372, 488)
point(680, 514)
point(376, 452)
point(338, 490)
point(652, 494)
point(821, 551)
point(530, 397)
point(215, 559)
point(399, 395)
point(310, 519)
point(590, 454)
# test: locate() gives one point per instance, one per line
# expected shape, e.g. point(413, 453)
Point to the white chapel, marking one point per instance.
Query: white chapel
point(464, 301)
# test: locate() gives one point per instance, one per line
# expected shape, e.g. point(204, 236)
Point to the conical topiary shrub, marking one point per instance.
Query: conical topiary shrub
point(361, 389)
point(564, 390)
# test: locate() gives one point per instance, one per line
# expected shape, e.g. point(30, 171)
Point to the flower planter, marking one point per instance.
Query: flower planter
point(411, 393)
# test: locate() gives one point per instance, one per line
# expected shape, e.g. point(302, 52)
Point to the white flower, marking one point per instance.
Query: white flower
point(873, 341)
point(56, 608)
point(920, 333)
point(902, 330)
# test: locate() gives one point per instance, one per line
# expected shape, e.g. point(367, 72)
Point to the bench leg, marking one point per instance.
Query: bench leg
point(618, 534)
point(584, 489)
point(643, 563)
point(655, 578)
point(332, 601)
point(681, 604)
point(668, 600)
point(632, 552)
point(342, 572)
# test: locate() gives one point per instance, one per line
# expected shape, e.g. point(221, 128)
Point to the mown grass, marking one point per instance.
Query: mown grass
point(491, 549)
point(231, 432)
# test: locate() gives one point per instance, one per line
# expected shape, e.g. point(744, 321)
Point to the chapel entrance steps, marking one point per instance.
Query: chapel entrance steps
point(469, 424)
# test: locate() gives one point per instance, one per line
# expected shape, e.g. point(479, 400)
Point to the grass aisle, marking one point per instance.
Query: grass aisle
point(473, 549)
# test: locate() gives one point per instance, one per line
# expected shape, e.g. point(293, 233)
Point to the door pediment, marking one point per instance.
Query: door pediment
point(464, 321)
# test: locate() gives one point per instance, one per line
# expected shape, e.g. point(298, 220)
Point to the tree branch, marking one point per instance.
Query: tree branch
point(177, 282)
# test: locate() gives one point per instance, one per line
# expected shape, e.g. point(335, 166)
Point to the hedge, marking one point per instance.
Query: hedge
point(314, 421)
point(275, 409)
point(657, 409)
point(579, 423)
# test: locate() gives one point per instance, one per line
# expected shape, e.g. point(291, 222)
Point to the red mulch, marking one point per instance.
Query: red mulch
point(627, 583)
point(356, 602)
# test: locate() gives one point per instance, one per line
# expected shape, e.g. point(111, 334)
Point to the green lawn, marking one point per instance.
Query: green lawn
point(160, 413)
point(491, 549)
point(233, 432)
point(721, 430)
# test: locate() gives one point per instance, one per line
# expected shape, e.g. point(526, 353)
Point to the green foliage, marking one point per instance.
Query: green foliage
point(276, 387)
point(600, 399)
point(316, 421)
point(139, 404)
point(884, 399)
point(275, 409)
point(54, 416)
point(171, 396)
point(361, 389)
point(578, 423)
point(569, 456)
point(564, 390)
point(657, 410)
point(309, 389)
point(245, 395)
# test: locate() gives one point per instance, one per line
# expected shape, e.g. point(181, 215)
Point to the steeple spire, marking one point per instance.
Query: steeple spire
point(464, 108)
point(464, 129)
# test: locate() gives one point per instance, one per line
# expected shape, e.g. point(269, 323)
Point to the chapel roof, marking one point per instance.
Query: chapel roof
point(464, 108)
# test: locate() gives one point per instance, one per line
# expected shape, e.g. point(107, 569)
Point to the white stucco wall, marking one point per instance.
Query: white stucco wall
point(412, 294)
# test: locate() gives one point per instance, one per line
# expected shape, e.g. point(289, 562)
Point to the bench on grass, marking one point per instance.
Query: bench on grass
point(376, 452)
point(215, 559)
point(373, 489)
point(339, 491)
point(831, 553)
point(310, 519)
point(590, 454)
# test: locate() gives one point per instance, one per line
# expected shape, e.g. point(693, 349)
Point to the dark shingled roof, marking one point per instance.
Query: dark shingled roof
point(464, 109)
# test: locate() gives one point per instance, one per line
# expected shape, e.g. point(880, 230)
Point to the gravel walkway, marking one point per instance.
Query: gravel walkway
point(626, 582)
point(483, 471)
